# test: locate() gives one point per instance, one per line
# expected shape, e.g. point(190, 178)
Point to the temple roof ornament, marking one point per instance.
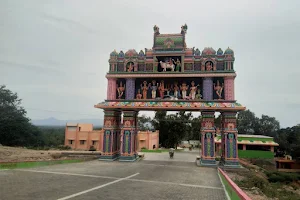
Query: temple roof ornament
point(114, 53)
point(131, 53)
point(228, 51)
point(197, 52)
point(121, 54)
point(220, 52)
point(208, 51)
point(184, 29)
point(156, 30)
point(141, 53)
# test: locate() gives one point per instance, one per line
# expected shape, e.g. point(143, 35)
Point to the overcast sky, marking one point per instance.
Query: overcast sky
point(55, 53)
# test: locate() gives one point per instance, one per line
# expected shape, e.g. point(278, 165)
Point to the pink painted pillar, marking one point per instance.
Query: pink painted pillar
point(111, 89)
point(229, 88)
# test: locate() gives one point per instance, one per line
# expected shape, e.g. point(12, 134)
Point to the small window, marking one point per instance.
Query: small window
point(79, 128)
point(82, 142)
point(70, 141)
point(94, 143)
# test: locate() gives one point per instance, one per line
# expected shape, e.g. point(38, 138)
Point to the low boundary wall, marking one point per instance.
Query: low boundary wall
point(233, 191)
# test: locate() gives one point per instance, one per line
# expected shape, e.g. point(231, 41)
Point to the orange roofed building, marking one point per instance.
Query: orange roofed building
point(83, 137)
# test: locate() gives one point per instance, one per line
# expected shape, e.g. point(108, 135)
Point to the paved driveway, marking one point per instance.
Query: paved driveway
point(146, 179)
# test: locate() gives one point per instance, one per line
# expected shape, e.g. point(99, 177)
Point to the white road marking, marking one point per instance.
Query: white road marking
point(69, 174)
point(98, 187)
point(134, 180)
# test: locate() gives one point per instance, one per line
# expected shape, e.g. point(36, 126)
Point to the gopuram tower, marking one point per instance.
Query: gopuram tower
point(171, 77)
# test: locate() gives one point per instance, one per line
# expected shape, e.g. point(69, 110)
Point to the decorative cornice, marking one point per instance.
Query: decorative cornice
point(171, 106)
point(168, 74)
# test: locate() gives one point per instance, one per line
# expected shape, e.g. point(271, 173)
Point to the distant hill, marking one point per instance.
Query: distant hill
point(56, 122)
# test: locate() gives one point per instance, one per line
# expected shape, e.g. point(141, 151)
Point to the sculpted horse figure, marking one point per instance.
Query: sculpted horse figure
point(166, 66)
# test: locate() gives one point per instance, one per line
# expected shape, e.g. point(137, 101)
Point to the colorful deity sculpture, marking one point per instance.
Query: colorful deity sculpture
point(144, 89)
point(176, 90)
point(178, 65)
point(193, 90)
point(183, 89)
point(139, 95)
point(198, 95)
point(219, 89)
point(121, 90)
point(208, 66)
point(168, 89)
point(161, 89)
point(130, 67)
point(153, 87)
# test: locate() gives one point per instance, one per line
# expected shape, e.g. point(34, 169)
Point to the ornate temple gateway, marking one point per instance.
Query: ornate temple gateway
point(170, 77)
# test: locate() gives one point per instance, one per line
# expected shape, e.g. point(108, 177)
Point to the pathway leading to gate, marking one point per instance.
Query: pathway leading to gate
point(184, 156)
point(146, 179)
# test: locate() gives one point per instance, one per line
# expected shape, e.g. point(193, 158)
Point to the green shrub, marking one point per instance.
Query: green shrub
point(282, 177)
point(61, 147)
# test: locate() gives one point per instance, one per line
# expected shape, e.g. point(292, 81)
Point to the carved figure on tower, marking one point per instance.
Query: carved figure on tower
point(168, 90)
point(178, 65)
point(121, 90)
point(193, 90)
point(144, 89)
point(130, 67)
point(208, 66)
point(139, 95)
point(167, 65)
point(198, 95)
point(219, 89)
point(161, 89)
point(176, 90)
point(154, 89)
point(183, 89)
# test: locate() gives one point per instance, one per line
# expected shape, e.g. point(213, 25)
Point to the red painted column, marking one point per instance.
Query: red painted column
point(111, 89)
point(229, 88)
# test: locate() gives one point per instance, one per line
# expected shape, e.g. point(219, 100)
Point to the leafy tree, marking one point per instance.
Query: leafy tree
point(268, 125)
point(144, 122)
point(196, 126)
point(159, 122)
point(247, 122)
point(15, 127)
point(289, 140)
point(172, 128)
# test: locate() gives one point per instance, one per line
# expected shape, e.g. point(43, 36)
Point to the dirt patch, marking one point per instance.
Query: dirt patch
point(19, 154)
point(254, 181)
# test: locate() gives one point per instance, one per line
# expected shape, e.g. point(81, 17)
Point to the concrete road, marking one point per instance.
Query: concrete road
point(145, 179)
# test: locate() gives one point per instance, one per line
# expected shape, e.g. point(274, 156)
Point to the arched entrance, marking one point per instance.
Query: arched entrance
point(203, 84)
